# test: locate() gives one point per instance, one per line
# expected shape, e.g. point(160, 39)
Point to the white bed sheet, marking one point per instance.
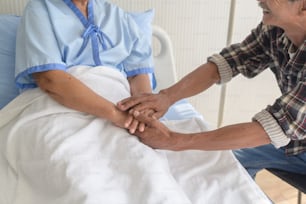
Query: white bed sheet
point(81, 159)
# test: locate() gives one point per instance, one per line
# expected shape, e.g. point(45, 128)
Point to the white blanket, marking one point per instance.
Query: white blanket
point(54, 155)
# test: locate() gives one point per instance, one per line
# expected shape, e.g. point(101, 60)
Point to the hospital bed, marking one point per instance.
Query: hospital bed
point(192, 177)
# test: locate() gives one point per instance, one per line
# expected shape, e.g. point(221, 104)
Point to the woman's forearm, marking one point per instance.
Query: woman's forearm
point(72, 93)
point(140, 84)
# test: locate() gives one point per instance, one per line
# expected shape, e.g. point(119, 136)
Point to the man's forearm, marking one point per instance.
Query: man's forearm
point(194, 83)
point(244, 135)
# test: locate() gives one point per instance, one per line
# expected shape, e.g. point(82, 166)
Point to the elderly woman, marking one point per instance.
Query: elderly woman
point(74, 61)
point(56, 35)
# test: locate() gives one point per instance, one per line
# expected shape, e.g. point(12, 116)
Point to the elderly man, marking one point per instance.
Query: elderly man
point(276, 136)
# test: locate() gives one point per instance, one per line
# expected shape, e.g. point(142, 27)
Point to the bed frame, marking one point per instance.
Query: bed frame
point(164, 61)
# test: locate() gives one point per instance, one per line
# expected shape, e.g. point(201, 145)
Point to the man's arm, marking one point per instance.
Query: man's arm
point(237, 136)
point(197, 81)
point(193, 83)
point(243, 135)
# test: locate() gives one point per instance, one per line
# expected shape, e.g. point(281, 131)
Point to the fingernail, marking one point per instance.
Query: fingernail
point(136, 113)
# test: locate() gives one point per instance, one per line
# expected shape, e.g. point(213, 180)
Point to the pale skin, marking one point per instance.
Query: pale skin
point(290, 16)
point(71, 92)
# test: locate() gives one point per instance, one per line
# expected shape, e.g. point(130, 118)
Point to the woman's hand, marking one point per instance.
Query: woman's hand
point(125, 120)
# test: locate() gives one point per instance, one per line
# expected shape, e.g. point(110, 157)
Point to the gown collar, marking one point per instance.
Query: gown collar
point(85, 21)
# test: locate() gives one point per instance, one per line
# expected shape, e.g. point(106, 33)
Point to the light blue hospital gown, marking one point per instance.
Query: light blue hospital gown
point(55, 35)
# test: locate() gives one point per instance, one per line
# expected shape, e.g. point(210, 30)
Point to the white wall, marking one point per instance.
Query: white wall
point(246, 97)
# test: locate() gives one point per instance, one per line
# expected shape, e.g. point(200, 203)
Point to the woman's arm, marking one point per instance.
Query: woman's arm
point(140, 84)
point(72, 93)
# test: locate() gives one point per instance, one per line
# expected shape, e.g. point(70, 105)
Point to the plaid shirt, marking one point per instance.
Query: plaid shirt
point(269, 47)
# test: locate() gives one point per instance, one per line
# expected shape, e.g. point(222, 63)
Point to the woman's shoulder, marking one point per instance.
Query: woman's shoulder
point(36, 3)
point(35, 8)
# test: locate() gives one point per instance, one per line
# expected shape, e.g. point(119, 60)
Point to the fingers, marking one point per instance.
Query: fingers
point(141, 127)
point(130, 102)
point(133, 127)
point(157, 115)
point(143, 118)
point(133, 124)
point(126, 104)
point(128, 121)
point(147, 108)
point(136, 125)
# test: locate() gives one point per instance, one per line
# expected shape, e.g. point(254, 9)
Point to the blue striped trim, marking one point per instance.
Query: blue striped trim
point(146, 70)
point(41, 68)
point(89, 23)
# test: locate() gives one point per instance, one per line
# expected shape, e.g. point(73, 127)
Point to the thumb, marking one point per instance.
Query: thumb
point(157, 115)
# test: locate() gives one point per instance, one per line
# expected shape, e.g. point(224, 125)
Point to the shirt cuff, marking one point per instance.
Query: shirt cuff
point(224, 68)
point(272, 128)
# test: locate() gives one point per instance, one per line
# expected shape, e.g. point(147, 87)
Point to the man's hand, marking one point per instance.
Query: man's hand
point(157, 135)
point(159, 103)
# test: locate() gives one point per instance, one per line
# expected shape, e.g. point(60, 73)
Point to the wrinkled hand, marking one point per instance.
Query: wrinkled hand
point(156, 134)
point(159, 103)
point(136, 124)
point(127, 121)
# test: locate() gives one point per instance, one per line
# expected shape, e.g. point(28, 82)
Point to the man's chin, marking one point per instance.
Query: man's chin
point(265, 20)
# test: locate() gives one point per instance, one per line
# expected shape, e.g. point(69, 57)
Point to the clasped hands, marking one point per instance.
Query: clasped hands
point(145, 110)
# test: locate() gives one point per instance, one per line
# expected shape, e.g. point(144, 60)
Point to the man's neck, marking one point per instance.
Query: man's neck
point(296, 37)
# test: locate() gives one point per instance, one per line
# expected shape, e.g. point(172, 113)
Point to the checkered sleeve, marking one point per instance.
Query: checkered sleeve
point(290, 112)
point(249, 58)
